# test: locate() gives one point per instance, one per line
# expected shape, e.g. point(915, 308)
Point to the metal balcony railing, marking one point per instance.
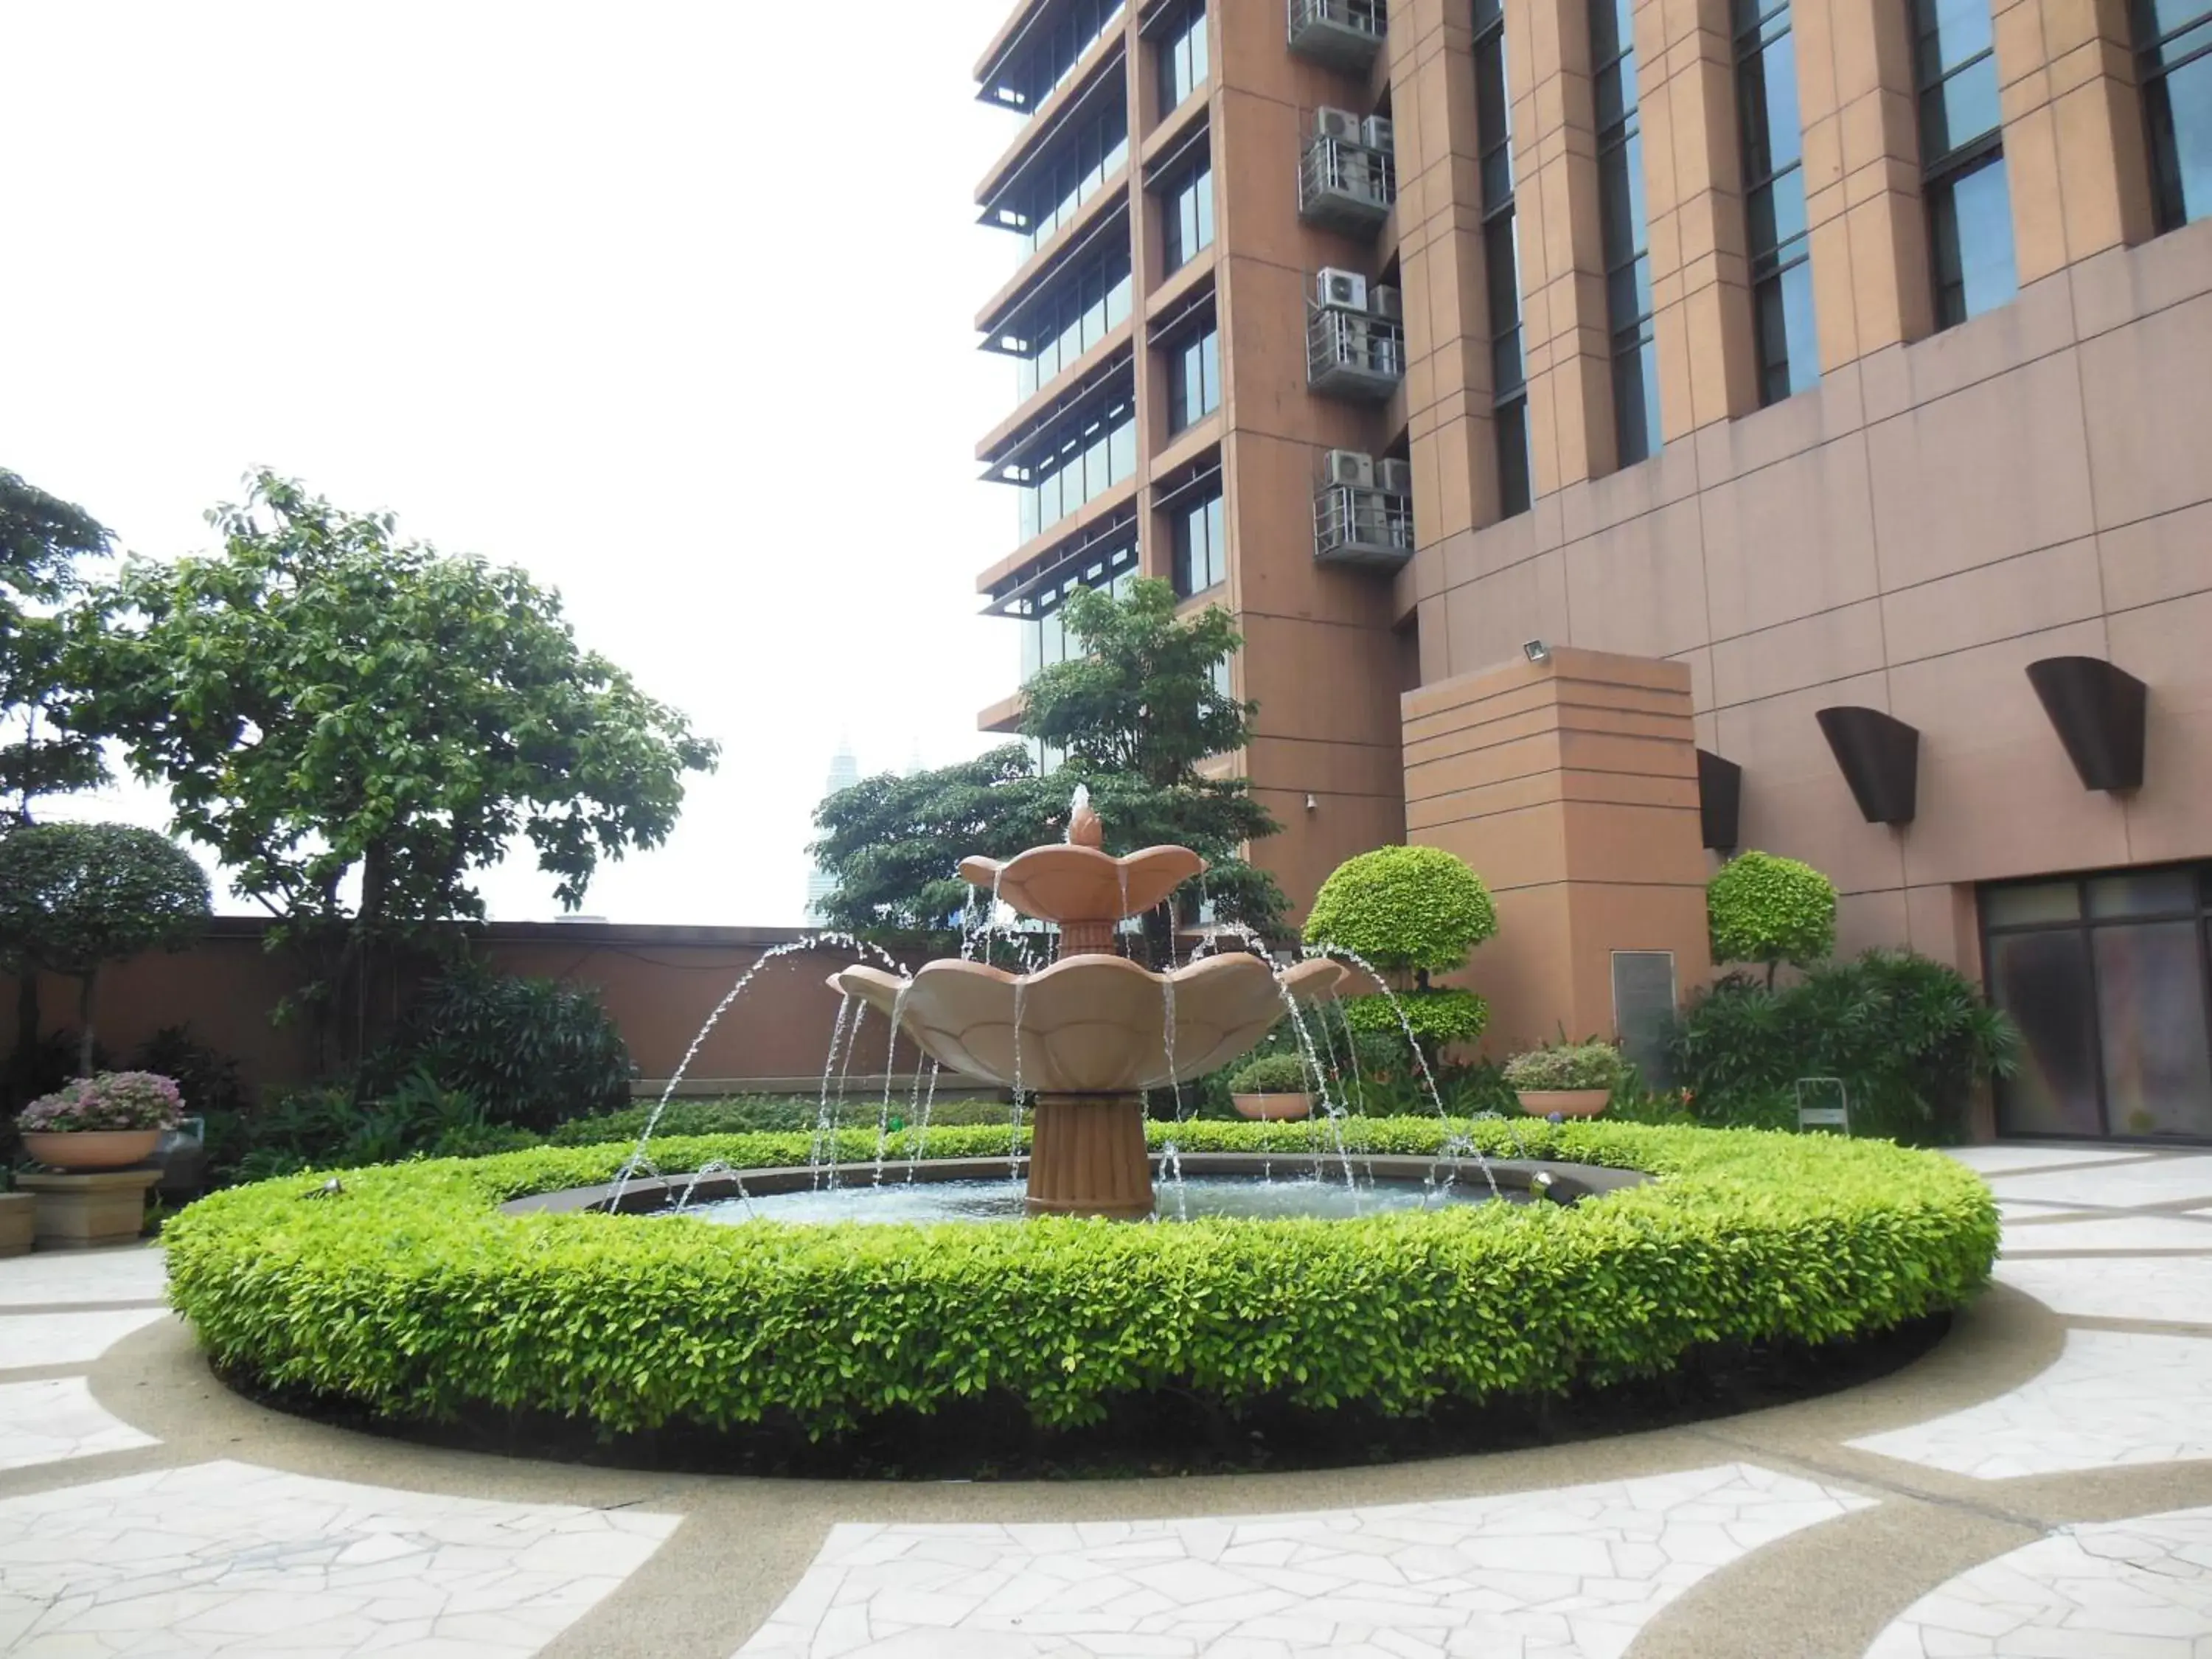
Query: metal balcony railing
point(1345, 34)
point(1353, 354)
point(1356, 526)
point(1345, 186)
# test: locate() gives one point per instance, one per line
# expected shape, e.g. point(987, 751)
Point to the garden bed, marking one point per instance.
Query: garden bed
point(410, 1297)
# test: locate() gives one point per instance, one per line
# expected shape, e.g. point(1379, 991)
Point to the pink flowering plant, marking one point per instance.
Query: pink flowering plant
point(114, 1100)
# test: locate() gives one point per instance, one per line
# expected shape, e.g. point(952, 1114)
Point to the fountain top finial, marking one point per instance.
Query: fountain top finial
point(1084, 828)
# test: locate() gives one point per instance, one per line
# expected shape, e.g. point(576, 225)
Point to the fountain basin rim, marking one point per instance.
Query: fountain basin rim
point(646, 1194)
point(1065, 881)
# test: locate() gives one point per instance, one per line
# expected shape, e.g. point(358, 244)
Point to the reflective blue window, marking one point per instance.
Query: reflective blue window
point(1962, 159)
point(1193, 377)
point(1199, 540)
point(1624, 226)
point(1501, 244)
point(1059, 43)
point(1182, 54)
point(2174, 40)
point(1186, 216)
point(1774, 199)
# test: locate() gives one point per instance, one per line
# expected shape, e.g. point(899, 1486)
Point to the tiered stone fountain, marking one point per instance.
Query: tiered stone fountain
point(1088, 1035)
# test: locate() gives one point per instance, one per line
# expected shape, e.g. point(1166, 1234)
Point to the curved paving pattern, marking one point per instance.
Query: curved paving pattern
point(1973, 1505)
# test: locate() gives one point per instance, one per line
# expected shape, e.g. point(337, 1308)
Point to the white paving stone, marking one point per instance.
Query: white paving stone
point(2112, 1235)
point(2008, 1158)
point(55, 1418)
point(226, 1557)
point(2122, 1589)
point(2111, 1397)
point(2174, 1290)
point(135, 1273)
point(2170, 1178)
point(1567, 1573)
point(67, 1338)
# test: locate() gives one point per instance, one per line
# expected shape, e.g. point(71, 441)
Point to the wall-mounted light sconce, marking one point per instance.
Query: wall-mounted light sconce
point(1313, 802)
point(1536, 651)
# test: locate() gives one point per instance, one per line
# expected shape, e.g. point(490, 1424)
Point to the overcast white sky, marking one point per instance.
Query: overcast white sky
point(668, 303)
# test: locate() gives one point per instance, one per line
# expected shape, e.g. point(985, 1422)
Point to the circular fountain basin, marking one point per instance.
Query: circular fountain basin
point(1195, 1198)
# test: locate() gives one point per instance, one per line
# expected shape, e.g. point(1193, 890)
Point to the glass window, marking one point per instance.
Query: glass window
point(2173, 42)
point(2042, 980)
point(1774, 199)
point(1198, 541)
point(1182, 54)
point(1187, 216)
point(1085, 303)
point(1194, 378)
point(1084, 159)
point(1621, 216)
point(1038, 72)
point(2017, 907)
point(2150, 1006)
point(1962, 159)
point(1097, 453)
point(1501, 246)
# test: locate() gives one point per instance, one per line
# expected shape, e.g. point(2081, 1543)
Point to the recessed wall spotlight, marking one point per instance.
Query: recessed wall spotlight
point(1536, 651)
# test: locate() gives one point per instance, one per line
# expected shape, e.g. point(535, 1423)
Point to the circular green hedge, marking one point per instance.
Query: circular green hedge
point(412, 1293)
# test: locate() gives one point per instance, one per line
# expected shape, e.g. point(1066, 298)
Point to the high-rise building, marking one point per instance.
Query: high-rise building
point(844, 773)
point(1628, 430)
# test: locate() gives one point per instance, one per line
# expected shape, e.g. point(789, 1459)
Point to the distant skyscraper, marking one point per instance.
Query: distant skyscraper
point(844, 773)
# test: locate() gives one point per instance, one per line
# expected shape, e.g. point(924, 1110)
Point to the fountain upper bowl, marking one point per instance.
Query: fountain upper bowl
point(1089, 1024)
point(1067, 881)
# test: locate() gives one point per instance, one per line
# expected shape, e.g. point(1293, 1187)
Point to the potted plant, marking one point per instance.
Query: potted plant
point(1272, 1087)
point(105, 1122)
point(1572, 1079)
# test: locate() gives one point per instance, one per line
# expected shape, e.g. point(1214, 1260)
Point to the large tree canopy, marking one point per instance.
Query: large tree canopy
point(41, 538)
point(356, 725)
point(1133, 717)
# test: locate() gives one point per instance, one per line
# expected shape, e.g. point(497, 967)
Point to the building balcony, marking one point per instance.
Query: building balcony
point(1345, 34)
point(1353, 354)
point(1363, 525)
point(1346, 185)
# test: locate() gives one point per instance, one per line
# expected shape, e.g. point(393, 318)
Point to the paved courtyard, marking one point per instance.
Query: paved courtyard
point(2040, 1486)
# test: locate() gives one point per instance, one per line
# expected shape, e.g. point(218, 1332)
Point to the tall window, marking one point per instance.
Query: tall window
point(1182, 54)
point(1083, 160)
point(1774, 199)
point(1962, 159)
point(1193, 376)
point(1044, 633)
point(1501, 250)
point(1087, 303)
point(1627, 257)
point(1033, 76)
point(1187, 216)
point(1200, 541)
point(1089, 455)
point(2174, 66)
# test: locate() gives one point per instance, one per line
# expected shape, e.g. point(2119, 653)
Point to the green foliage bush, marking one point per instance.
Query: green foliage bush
point(1568, 1065)
point(1403, 909)
point(412, 1296)
point(1438, 1016)
point(742, 1113)
point(1271, 1074)
point(1910, 1037)
point(530, 1052)
point(1770, 910)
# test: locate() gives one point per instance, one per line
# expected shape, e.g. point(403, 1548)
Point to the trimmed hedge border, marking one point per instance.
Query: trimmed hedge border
point(410, 1293)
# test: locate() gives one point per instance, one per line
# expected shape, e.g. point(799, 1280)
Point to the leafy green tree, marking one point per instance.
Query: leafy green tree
point(1771, 910)
point(41, 538)
point(356, 725)
point(1409, 912)
point(76, 896)
point(1133, 717)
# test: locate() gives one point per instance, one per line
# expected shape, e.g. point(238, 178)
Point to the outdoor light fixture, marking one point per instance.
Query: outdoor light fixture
point(1536, 651)
point(1313, 804)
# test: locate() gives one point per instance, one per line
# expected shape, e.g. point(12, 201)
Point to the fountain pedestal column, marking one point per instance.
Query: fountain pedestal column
point(1087, 1157)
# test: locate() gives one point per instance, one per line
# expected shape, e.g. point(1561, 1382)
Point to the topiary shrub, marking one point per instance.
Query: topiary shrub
point(409, 1294)
point(1438, 1016)
point(76, 896)
point(1403, 909)
point(1770, 910)
point(1271, 1074)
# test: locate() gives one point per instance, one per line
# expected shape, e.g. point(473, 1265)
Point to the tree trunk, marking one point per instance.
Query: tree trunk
point(85, 987)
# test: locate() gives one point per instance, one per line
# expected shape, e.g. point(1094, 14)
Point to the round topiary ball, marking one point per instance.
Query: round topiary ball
point(1403, 909)
point(1771, 910)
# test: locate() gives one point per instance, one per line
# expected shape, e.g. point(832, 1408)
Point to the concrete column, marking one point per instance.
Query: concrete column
point(1442, 273)
point(1693, 191)
point(1871, 286)
point(2075, 162)
point(1562, 251)
point(1571, 787)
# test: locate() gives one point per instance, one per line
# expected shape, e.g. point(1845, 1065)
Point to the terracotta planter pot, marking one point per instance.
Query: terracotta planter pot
point(1567, 1102)
point(91, 1149)
point(1273, 1109)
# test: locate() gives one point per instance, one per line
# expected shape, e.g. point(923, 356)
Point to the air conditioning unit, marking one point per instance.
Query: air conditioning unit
point(1345, 288)
point(1349, 467)
point(1387, 303)
point(1376, 133)
point(1394, 477)
point(1337, 124)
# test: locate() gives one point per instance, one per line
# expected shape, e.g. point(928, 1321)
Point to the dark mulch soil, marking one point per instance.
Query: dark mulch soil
point(1166, 1433)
